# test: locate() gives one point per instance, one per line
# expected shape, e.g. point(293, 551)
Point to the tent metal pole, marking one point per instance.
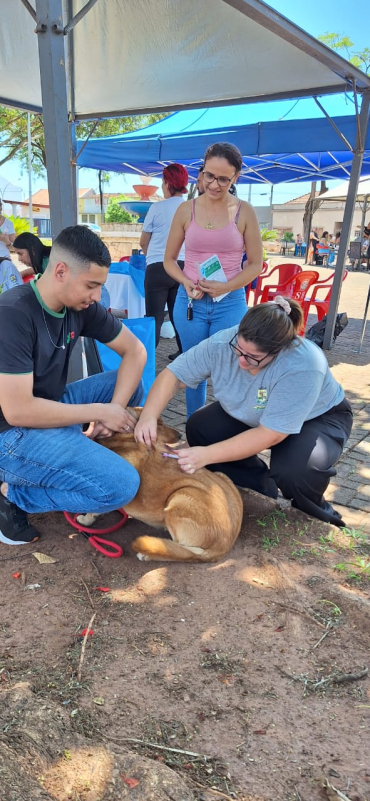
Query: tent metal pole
point(55, 110)
point(364, 321)
point(347, 221)
point(332, 123)
point(363, 217)
point(30, 9)
point(74, 20)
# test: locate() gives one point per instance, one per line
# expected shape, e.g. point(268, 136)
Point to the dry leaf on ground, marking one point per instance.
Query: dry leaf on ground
point(44, 558)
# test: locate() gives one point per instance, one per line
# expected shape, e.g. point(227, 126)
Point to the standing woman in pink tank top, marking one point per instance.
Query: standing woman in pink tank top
point(216, 223)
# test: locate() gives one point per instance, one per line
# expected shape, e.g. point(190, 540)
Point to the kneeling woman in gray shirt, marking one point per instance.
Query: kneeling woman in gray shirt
point(273, 390)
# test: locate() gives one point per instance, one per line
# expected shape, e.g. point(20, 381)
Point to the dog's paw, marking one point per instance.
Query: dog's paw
point(143, 557)
point(88, 519)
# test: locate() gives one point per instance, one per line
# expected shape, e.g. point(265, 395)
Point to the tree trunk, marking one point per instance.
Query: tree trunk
point(311, 206)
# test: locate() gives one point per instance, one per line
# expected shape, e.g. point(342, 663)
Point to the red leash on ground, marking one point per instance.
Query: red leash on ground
point(106, 547)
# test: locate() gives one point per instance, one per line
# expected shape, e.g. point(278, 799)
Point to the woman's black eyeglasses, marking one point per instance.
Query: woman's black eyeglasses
point(222, 180)
point(249, 359)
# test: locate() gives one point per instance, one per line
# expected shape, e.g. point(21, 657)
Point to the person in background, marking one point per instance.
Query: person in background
point(274, 390)
point(298, 245)
point(366, 235)
point(7, 234)
point(314, 241)
point(200, 183)
point(9, 275)
point(161, 288)
point(216, 223)
point(32, 253)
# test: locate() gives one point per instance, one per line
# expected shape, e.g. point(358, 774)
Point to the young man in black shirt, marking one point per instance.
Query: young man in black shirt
point(46, 462)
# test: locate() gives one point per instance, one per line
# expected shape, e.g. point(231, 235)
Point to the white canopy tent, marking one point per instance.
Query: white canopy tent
point(132, 56)
point(340, 192)
point(100, 59)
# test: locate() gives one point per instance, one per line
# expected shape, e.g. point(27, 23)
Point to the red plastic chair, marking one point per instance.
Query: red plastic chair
point(286, 272)
point(296, 290)
point(321, 305)
point(124, 258)
point(249, 286)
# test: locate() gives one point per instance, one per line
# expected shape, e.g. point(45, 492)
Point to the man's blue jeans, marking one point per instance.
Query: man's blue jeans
point(209, 317)
point(60, 469)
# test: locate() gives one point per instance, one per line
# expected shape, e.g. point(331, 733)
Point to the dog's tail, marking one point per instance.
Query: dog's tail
point(161, 550)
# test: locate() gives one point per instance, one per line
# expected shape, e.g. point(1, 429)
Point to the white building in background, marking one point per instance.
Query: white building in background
point(328, 217)
point(9, 192)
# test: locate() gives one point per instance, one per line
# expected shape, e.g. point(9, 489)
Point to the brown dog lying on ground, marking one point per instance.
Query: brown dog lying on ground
point(202, 512)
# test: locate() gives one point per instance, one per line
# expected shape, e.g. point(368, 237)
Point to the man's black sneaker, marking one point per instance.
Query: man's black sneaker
point(173, 356)
point(14, 526)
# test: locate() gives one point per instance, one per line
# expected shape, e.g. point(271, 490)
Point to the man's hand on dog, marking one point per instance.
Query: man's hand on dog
point(114, 419)
point(146, 431)
point(191, 459)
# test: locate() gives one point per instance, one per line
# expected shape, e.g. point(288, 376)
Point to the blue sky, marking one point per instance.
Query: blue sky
point(316, 17)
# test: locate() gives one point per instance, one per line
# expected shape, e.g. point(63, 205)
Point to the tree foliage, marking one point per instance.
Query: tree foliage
point(116, 214)
point(13, 134)
point(359, 58)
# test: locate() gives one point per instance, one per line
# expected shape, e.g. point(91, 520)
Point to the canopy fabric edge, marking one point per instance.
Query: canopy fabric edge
point(275, 22)
point(313, 92)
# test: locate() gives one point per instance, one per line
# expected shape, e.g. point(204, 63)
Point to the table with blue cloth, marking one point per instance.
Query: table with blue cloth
point(125, 285)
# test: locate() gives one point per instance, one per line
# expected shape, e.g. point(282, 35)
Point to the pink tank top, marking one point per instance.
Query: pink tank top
point(201, 243)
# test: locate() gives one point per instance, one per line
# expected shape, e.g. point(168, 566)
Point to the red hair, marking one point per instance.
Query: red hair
point(176, 177)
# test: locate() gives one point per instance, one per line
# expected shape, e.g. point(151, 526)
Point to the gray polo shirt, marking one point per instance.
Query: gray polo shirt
point(295, 386)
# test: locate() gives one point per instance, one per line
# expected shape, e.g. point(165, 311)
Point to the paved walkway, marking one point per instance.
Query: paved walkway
point(350, 489)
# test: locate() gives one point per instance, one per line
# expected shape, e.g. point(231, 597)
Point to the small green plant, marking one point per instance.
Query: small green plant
point(335, 611)
point(361, 565)
point(357, 538)
point(288, 236)
point(269, 542)
point(21, 225)
point(297, 552)
point(267, 235)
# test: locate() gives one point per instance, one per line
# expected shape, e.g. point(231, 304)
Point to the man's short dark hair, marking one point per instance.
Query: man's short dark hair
point(83, 245)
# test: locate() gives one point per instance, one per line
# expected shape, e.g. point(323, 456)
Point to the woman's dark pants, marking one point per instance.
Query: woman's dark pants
point(301, 465)
point(160, 289)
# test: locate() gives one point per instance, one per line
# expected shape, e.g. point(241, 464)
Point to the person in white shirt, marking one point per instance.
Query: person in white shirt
point(160, 288)
point(7, 234)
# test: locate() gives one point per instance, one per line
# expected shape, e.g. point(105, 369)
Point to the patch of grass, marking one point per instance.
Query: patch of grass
point(299, 552)
point(269, 542)
point(274, 520)
point(356, 570)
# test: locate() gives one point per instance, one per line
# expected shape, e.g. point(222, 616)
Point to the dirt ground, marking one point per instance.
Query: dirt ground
point(243, 677)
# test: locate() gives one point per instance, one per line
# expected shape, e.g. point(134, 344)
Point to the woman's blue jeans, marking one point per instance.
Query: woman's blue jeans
point(60, 469)
point(209, 317)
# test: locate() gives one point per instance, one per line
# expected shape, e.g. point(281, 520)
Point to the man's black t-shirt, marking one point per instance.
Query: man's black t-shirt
point(32, 339)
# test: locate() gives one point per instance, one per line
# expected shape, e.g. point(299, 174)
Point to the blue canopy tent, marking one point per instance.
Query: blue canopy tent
point(305, 147)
